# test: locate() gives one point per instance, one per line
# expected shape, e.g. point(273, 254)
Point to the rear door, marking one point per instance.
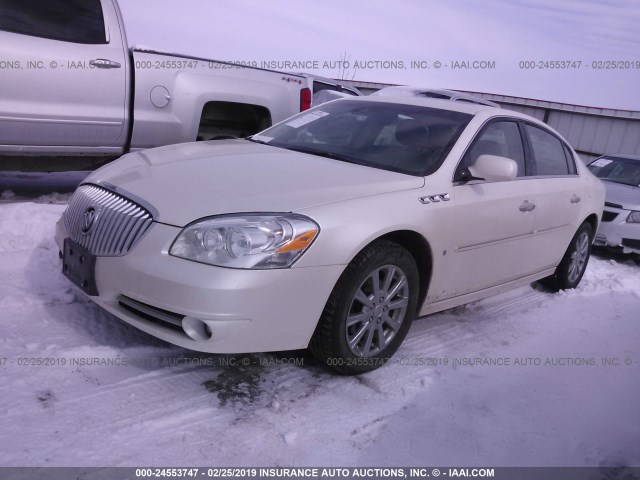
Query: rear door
point(65, 79)
point(560, 192)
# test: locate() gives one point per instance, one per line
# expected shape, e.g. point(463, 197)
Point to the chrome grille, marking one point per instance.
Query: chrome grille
point(118, 223)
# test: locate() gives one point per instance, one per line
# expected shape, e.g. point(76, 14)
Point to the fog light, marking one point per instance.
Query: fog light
point(196, 329)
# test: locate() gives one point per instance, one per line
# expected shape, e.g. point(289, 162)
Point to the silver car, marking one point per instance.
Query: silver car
point(620, 225)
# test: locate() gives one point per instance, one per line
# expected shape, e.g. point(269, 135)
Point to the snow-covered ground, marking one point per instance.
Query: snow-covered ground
point(169, 406)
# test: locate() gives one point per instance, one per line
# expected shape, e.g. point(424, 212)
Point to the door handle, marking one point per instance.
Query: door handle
point(527, 206)
point(104, 63)
point(575, 199)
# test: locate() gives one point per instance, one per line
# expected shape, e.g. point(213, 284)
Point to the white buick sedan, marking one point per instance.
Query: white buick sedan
point(332, 230)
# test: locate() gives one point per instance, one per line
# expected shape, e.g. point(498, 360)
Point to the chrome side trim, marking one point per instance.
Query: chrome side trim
point(440, 197)
point(59, 121)
point(493, 242)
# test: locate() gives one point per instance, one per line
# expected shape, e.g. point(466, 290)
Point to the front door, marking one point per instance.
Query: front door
point(63, 82)
point(493, 222)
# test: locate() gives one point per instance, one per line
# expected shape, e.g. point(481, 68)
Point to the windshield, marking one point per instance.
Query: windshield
point(402, 138)
point(619, 170)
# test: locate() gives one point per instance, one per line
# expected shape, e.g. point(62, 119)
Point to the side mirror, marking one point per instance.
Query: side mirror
point(494, 168)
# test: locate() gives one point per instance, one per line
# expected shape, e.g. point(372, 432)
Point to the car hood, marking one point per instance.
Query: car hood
point(189, 181)
point(625, 195)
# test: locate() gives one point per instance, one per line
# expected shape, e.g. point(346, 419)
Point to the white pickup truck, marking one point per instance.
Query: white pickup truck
point(70, 86)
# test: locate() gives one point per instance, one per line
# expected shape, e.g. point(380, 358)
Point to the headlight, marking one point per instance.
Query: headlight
point(246, 241)
point(634, 217)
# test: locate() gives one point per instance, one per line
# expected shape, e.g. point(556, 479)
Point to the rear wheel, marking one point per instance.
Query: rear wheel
point(574, 263)
point(369, 311)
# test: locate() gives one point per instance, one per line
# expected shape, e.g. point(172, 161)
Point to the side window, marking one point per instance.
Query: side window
point(548, 152)
point(500, 138)
point(79, 21)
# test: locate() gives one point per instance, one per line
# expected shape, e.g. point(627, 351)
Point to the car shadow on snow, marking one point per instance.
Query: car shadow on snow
point(616, 255)
point(611, 255)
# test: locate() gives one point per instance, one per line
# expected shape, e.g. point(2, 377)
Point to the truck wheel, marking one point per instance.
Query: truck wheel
point(369, 311)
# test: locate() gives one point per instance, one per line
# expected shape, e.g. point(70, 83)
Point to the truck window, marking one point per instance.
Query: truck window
point(78, 21)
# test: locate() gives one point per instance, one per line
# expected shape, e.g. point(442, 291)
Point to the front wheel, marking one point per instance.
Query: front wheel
point(574, 263)
point(369, 311)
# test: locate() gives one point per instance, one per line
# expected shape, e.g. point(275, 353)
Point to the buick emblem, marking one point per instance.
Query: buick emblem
point(88, 219)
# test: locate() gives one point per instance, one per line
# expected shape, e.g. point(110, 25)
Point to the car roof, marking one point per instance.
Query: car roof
point(486, 112)
point(443, 104)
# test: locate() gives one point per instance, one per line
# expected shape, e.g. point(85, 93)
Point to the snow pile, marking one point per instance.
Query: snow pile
point(447, 398)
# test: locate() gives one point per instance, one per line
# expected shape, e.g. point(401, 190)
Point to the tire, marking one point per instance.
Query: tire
point(574, 263)
point(376, 328)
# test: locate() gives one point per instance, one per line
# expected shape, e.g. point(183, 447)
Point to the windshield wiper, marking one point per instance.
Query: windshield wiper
point(320, 153)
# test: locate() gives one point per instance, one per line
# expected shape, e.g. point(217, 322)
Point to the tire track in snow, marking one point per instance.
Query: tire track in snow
point(440, 335)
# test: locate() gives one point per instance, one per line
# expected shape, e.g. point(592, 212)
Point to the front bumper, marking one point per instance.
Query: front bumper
point(617, 232)
point(243, 310)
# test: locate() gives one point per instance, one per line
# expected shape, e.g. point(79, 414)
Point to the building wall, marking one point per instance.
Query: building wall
point(591, 131)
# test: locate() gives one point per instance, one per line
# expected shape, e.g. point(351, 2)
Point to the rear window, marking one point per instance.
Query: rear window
point(78, 21)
